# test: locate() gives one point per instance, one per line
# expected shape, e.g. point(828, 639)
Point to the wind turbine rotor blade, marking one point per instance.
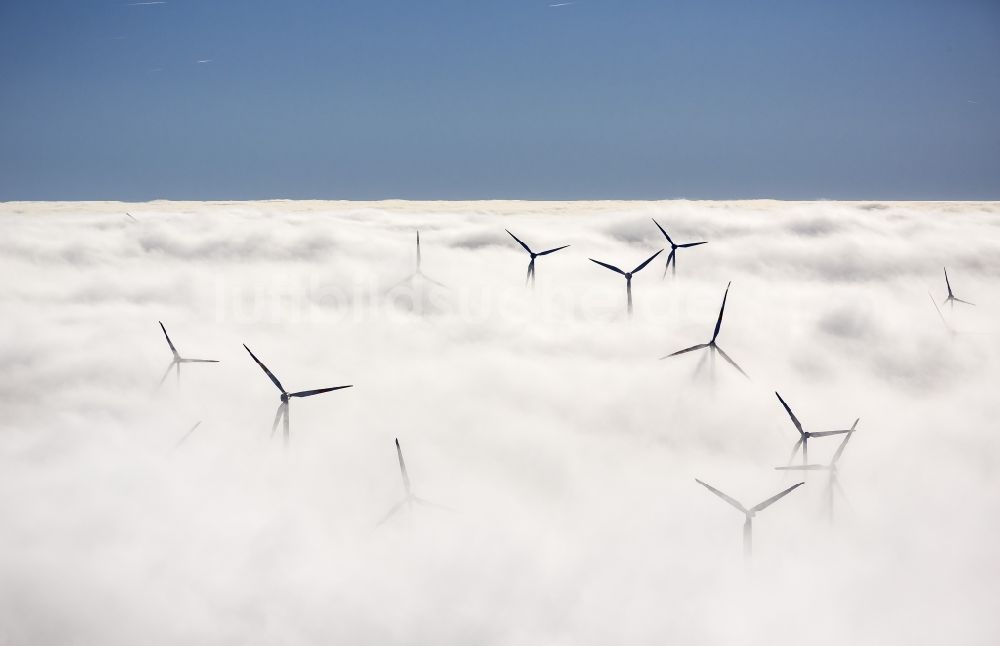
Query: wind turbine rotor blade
point(402, 468)
point(722, 310)
point(198, 361)
point(548, 251)
point(666, 267)
point(691, 349)
point(663, 231)
point(959, 300)
point(266, 371)
point(277, 418)
point(775, 498)
point(408, 279)
point(840, 449)
point(526, 247)
point(169, 342)
point(647, 261)
point(947, 282)
point(938, 310)
point(187, 435)
point(828, 433)
point(604, 264)
point(731, 362)
point(691, 244)
point(395, 508)
point(732, 501)
point(795, 449)
point(167, 372)
point(434, 282)
point(795, 420)
point(310, 393)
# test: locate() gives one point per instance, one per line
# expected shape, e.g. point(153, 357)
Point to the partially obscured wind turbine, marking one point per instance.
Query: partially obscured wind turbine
point(628, 275)
point(417, 272)
point(831, 469)
point(951, 298)
point(132, 217)
point(178, 359)
point(531, 265)
point(713, 347)
point(805, 435)
point(672, 258)
point(410, 498)
point(749, 513)
point(282, 412)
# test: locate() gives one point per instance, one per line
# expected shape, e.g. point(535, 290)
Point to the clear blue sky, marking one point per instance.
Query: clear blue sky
point(457, 99)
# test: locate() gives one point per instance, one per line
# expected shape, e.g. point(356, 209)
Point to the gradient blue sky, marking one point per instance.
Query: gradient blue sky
point(449, 99)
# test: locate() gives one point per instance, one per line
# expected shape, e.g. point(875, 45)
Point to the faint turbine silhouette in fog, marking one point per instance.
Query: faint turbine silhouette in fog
point(628, 275)
point(177, 360)
point(282, 412)
point(672, 258)
point(531, 265)
point(804, 435)
point(131, 217)
point(187, 435)
point(948, 328)
point(831, 469)
point(410, 498)
point(749, 513)
point(951, 298)
point(711, 345)
point(418, 273)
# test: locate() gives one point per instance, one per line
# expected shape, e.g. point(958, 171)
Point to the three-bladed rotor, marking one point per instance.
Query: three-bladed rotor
point(712, 344)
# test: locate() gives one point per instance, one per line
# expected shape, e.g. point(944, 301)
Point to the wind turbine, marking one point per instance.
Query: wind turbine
point(712, 345)
point(805, 435)
point(749, 513)
point(417, 272)
point(628, 275)
point(282, 412)
point(132, 217)
point(177, 360)
point(410, 498)
point(672, 258)
point(951, 298)
point(831, 469)
point(531, 265)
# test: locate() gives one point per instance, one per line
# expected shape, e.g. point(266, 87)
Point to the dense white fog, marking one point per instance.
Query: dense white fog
point(544, 419)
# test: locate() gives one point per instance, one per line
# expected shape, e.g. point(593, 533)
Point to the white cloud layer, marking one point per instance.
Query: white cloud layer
point(544, 419)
